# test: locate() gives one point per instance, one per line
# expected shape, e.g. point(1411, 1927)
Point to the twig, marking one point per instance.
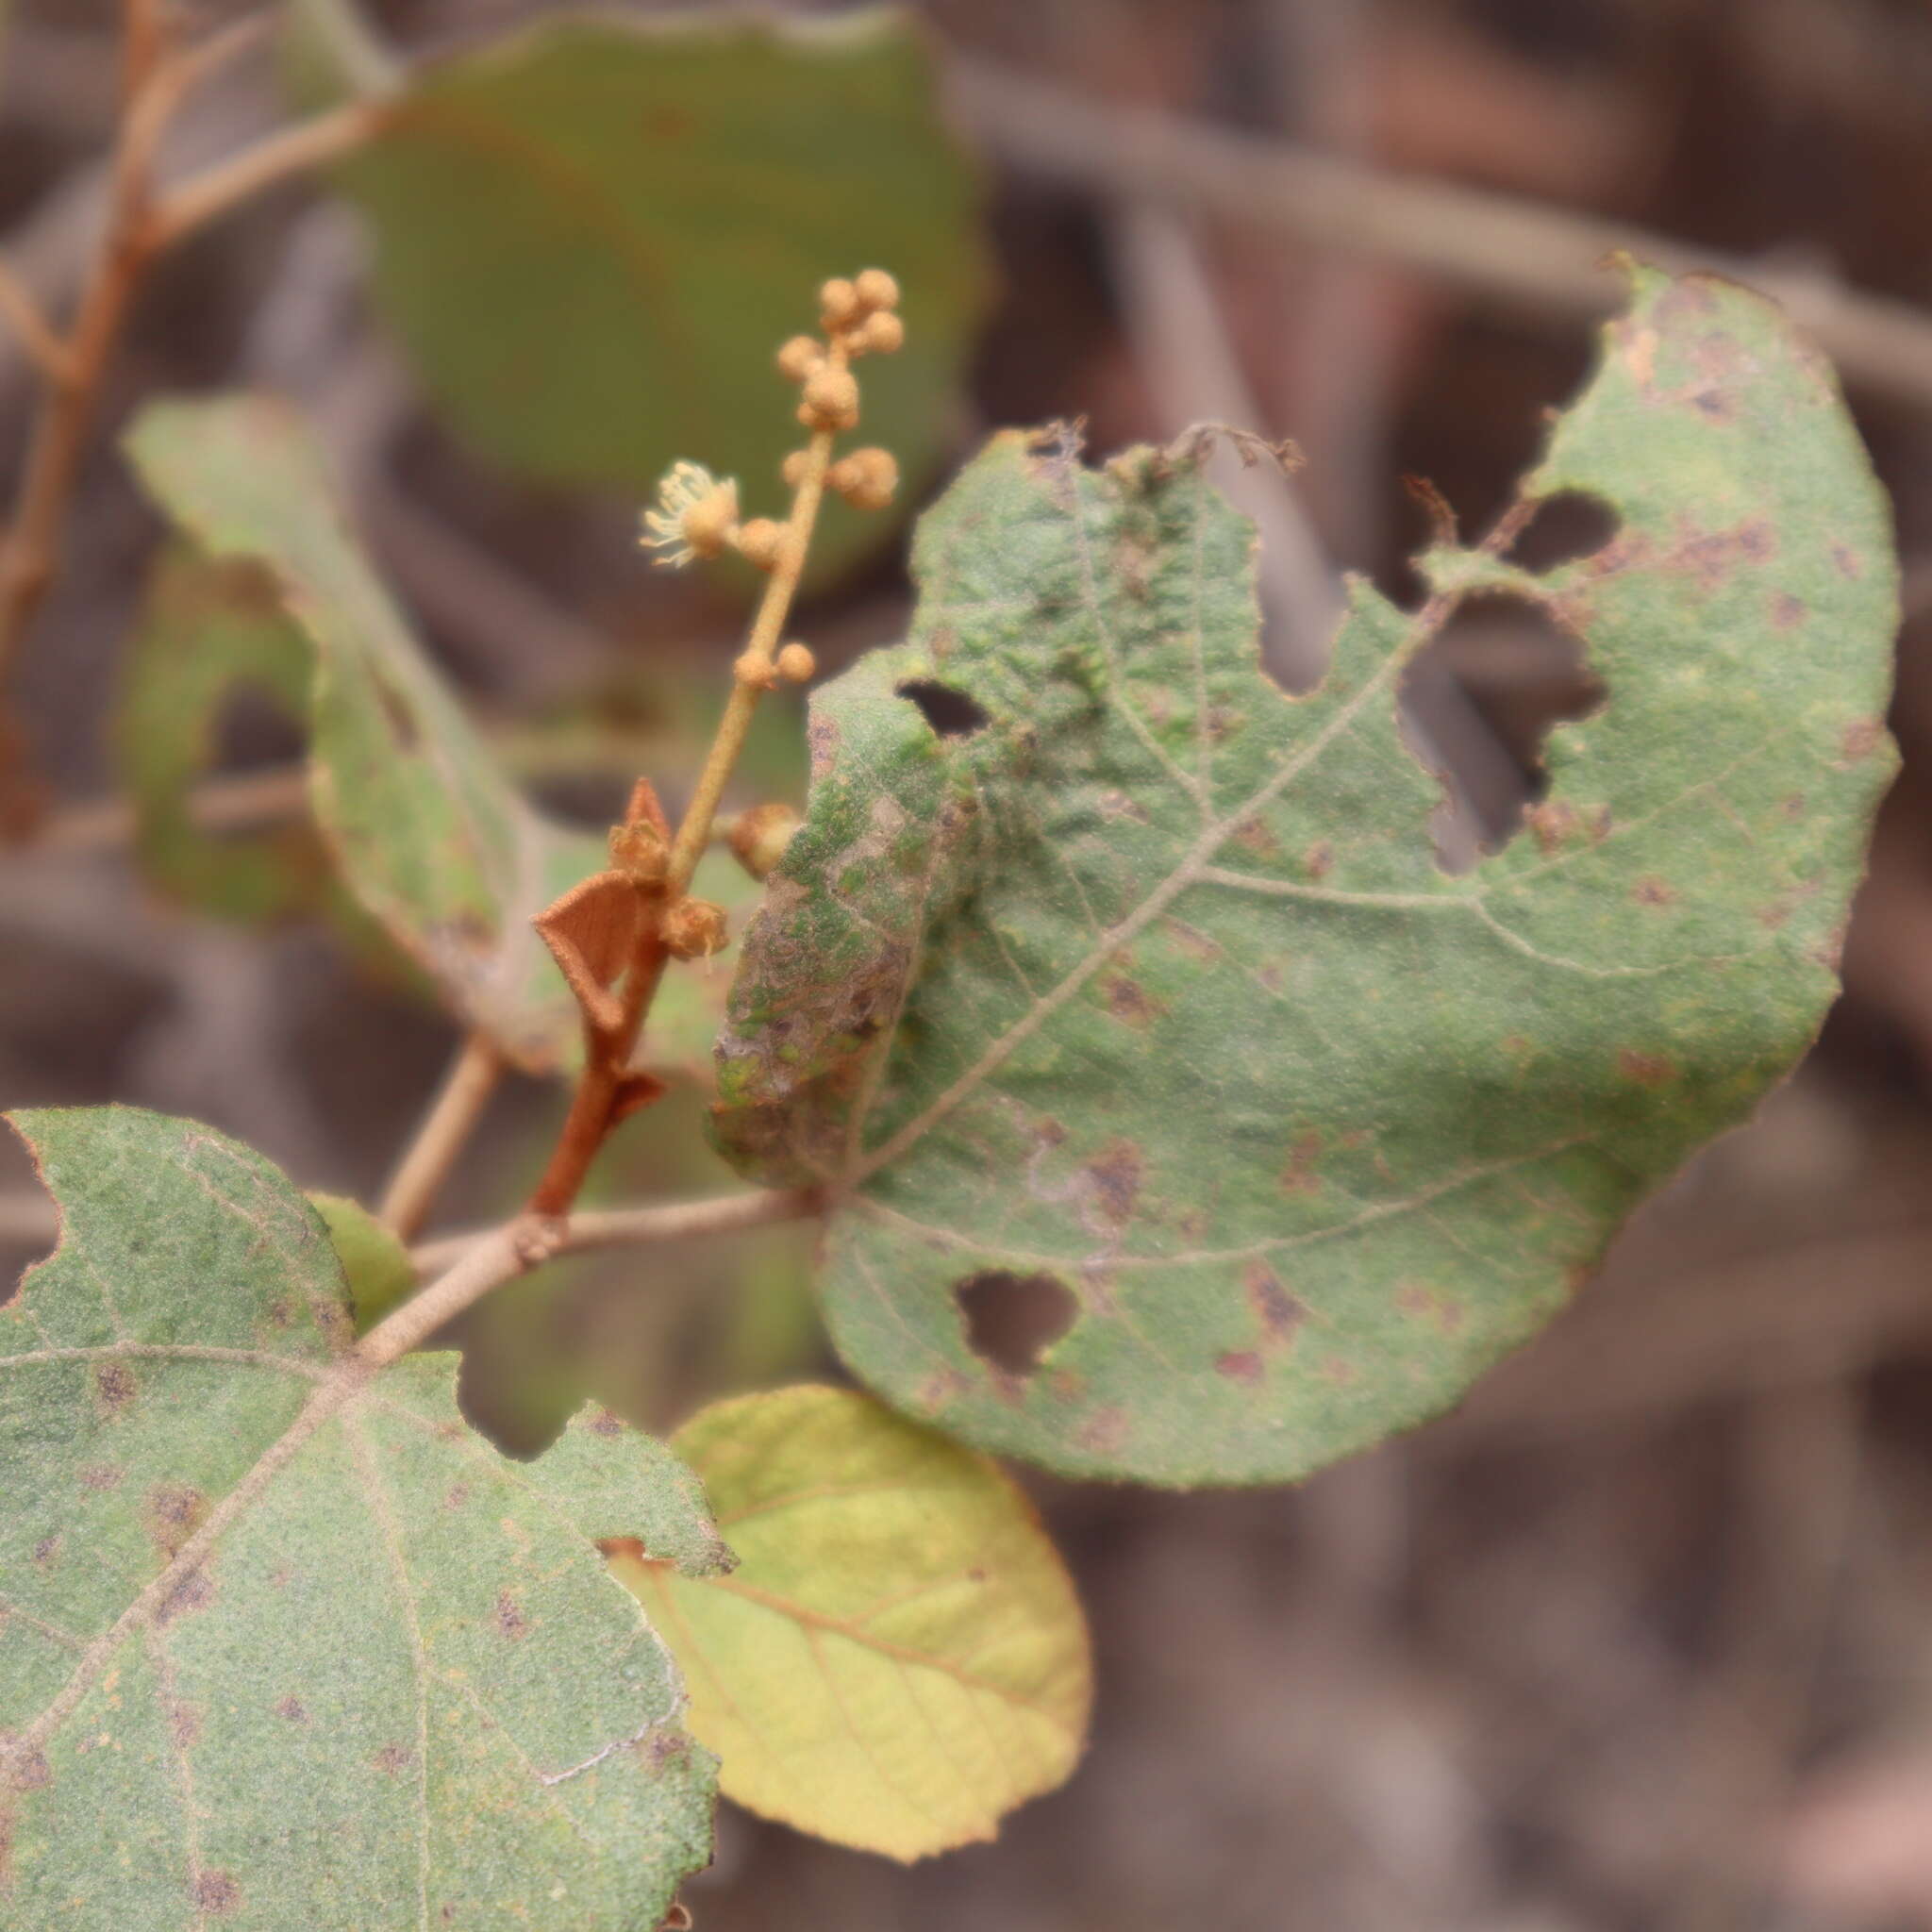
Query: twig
point(607, 1086)
point(1543, 258)
point(624, 1227)
point(445, 1128)
point(31, 550)
point(223, 185)
point(37, 336)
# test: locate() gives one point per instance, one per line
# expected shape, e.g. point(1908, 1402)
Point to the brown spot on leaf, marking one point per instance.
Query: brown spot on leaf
point(939, 1390)
point(1851, 566)
point(1300, 1172)
point(822, 743)
point(193, 1593)
point(293, 1710)
point(174, 1512)
point(1787, 611)
point(1130, 1002)
point(511, 1620)
point(184, 1725)
point(1192, 941)
point(101, 1476)
point(1119, 805)
point(1429, 1305)
point(47, 1552)
point(1646, 1069)
point(1278, 1313)
point(1240, 1365)
point(216, 1893)
point(1550, 824)
point(1105, 1432)
point(1318, 861)
point(668, 1747)
point(393, 1759)
point(456, 1496)
point(114, 1388)
point(1652, 891)
point(1251, 835)
point(1337, 1373)
point(1116, 1172)
point(27, 1772)
point(1860, 740)
point(605, 1424)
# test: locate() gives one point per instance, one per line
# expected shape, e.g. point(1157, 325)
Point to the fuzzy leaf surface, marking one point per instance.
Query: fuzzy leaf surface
point(899, 1659)
point(382, 1680)
point(592, 237)
point(426, 828)
point(1147, 993)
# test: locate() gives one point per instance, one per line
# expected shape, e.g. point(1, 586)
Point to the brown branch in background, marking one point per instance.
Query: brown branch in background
point(626, 922)
point(1496, 244)
point(159, 79)
point(444, 1131)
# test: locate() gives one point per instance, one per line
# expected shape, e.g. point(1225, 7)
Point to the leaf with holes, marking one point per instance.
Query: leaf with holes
point(353, 1669)
point(427, 830)
point(588, 234)
point(1130, 986)
point(899, 1659)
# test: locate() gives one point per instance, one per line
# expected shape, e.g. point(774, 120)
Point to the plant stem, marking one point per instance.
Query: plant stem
point(159, 81)
point(225, 184)
point(433, 1149)
point(753, 668)
point(624, 1227)
point(595, 1106)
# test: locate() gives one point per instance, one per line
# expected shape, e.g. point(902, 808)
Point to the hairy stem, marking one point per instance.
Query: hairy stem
point(597, 1105)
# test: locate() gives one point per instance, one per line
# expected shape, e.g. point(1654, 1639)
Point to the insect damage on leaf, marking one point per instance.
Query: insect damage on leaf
point(1149, 984)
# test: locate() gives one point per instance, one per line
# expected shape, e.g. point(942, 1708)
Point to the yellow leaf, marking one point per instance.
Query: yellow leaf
point(899, 1659)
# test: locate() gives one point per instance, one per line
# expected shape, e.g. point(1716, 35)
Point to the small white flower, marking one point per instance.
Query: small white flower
point(695, 517)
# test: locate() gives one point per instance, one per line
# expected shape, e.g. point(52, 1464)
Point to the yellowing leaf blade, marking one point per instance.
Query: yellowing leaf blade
point(898, 1658)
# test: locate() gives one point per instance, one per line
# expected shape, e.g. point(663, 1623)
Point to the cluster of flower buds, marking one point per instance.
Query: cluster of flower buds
point(696, 514)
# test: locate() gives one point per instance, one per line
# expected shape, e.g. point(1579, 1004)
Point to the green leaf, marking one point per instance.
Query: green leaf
point(206, 631)
point(899, 1659)
point(428, 832)
point(593, 237)
point(1147, 998)
point(380, 1678)
point(375, 1264)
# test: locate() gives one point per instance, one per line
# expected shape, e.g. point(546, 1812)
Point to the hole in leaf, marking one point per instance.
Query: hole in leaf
point(949, 711)
point(1566, 527)
point(254, 730)
point(1479, 701)
point(1012, 1320)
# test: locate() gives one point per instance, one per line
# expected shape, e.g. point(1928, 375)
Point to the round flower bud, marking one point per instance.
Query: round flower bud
point(758, 542)
point(759, 836)
point(694, 929)
point(880, 334)
point(875, 289)
point(839, 303)
point(831, 399)
point(800, 357)
point(866, 478)
point(794, 468)
point(796, 663)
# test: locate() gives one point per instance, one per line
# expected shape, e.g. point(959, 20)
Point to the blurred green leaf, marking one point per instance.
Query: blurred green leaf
point(376, 1265)
point(427, 829)
point(592, 238)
